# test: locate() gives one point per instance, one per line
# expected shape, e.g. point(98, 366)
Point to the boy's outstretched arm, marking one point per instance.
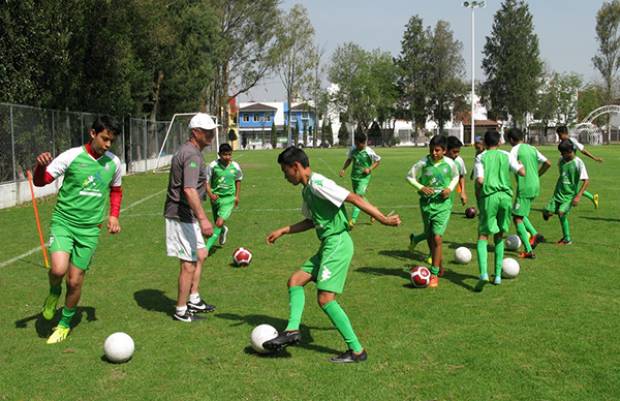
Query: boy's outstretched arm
point(371, 210)
point(591, 156)
point(347, 163)
point(299, 227)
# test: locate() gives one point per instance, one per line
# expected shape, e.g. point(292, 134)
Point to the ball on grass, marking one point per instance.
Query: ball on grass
point(510, 268)
point(118, 347)
point(513, 242)
point(261, 334)
point(462, 255)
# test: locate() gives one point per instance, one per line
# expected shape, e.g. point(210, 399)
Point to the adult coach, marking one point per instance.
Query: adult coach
point(186, 220)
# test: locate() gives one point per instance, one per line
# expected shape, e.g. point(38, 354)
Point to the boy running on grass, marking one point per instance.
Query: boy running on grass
point(91, 176)
point(528, 189)
point(323, 207)
point(223, 186)
point(562, 132)
point(364, 160)
point(494, 193)
point(567, 193)
point(454, 150)
point(434, 177)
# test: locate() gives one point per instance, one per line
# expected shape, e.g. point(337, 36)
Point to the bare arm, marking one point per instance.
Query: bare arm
point(543, 168)
point(590, 155)
point(371, 210)
point(372, 167)
point(347, 163)
point(193, 199)
point(463, 193)
point(237, 192)
point(577, 198)
point(298, 227)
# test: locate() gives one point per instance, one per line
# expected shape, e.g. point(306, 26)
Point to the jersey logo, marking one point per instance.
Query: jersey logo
point(193, 164)
point(326, 274)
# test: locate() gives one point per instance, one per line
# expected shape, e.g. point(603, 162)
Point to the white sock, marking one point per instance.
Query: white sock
point(181, 310)
point(194, 298)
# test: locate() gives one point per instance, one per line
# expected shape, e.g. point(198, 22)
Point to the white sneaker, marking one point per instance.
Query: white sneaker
point(223, 235)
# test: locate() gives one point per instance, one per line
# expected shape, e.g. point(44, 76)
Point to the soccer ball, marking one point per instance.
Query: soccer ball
point(420, 276)
point(510, 267)
point(242, 257)
point(470, 212)
point(462, 255)
point(261, 334)
point(513, 242)
point(118, 347)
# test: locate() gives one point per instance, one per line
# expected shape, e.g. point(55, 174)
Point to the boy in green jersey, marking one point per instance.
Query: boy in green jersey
point(528, 189)
point(323, 208)
point(223, 186)
point(91, 175)
point(434, 177)
point(567, 193)
point(364, 160)
point(454, 146)
point(562, 132)
point(494, 193)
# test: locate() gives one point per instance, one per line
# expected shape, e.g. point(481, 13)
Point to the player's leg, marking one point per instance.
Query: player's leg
point(520, 209)
point(503, 225)
point(58, 269)
point(436, 260)
point(355, 352)
point(499, 241)
point(486, 226)
point(186, 276)
point(359, 187)
point(592, 197)
point(439, 226)
point(566, 237)
point(188, 239)
point(196, 303)
point(217, 229)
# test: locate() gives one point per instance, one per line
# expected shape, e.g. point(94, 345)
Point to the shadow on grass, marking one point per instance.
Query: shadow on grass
point(606, 219)
point(44, 327)
point(383, 271)
point(459, 278)
point(403, 254)
point(155, 300)
point(469, 245)
point(255, 320)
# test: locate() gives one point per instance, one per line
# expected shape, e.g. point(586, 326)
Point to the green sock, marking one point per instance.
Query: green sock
point(419, 237)
point(297, 299)
point(482, 256)
point(565, 227)
point(67, 315)
point(56, 290)
point(216, 234)
point(529, 226)
point(589, 196)
point(340, 319)
point(355, 213)
point(522, 231)
point(434, 270)
point(499, 256)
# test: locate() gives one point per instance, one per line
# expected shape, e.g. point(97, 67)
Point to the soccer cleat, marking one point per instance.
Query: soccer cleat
point(595, 201)
point(350, 357)
point(564, 241)
point(527, 255)
point(186, 317)
point(412, 243)
point(497, 280)
point(433, 282)
point(481, 283)
point(372, 220)
point(283, 340)
point(535, 240)
point(546, 215)
point(223, 235)
point(49, 306)
point(60, 334)
point(351, 224)
point(200, 307)
point(429, 259)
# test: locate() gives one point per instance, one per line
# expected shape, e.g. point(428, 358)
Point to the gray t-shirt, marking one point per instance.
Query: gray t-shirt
point(187, 170)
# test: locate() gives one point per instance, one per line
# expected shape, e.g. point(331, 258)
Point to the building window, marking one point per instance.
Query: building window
point(246, 117)
point(261, 118)
point(293, 117)
point(268, 117)
point(304, 115)
point(256, 117)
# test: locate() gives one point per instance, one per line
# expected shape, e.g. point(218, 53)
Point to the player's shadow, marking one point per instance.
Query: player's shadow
point(606, 219)
point(459, 278)
point(155, 300)
point(469, 245)
point(403, 254)
point(306, 336)
point(383, 271)
point(44, 327)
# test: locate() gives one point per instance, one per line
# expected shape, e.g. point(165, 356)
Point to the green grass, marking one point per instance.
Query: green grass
point(550, 334)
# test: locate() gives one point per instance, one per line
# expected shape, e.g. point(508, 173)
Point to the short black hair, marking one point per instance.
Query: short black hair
point(360, 137)
point(454, 143)
point(562, 129)
point(225, 148)
point(565, 146)
point(292, 154)
point(438, 140)
point(109, 123)
point(515, 134)
point(491, 138)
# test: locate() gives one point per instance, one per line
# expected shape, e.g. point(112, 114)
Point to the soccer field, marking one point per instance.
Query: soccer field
point(549, 334)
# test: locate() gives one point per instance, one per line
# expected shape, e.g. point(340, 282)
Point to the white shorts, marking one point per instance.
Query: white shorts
point(183, 239)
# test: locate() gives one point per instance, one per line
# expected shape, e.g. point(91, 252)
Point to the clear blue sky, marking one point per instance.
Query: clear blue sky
point(565, 28)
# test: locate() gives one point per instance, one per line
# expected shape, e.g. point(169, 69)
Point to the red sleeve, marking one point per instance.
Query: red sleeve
point(41, 177)
point(116, 195)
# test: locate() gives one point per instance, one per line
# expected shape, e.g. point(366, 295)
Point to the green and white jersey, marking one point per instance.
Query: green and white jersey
point(494, 167)
point(571, 173)
point(222, 178)
point(436, 175)
point(531, 159)
point(86, 186)
point(323, 203)
point(361, 159)
point(460, 165)
point(576, 145)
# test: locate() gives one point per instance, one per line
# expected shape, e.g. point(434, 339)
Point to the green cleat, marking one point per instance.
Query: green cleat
point(49, 306)
point(59, 335)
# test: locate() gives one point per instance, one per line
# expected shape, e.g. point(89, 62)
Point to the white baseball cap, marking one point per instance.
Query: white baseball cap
point(202, 120)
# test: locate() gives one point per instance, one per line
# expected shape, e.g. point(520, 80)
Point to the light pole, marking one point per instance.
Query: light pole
point(473, 5)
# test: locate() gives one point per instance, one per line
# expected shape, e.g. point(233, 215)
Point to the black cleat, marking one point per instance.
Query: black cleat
point(350, 357)
point(200, 307)
point(186, 317)
point(283, 340)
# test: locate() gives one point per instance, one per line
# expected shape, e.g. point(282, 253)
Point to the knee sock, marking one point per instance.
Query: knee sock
point(211, 241)
point(340, 319)
point(419, 237)
point(589, 196)
point(434, 270)
point(67, 315)
point(297, 299)
point(499, 256)
point(56, 290)
point(482, 257)
point(355, 214)
point(522, 231)
point(529, 226)
point(565, 227)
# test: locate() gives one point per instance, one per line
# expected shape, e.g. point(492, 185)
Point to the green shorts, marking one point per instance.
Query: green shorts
point(360, 186)
point(223, 207)
point(522, 206)
point(330, 265)
point(495, 213)
point(435, 221)
point(557, 207)
point(79, 242)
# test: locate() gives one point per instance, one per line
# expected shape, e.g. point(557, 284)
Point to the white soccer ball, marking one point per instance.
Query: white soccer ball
point(513, 242)
point(462, 255)
point(261, 334)
point(510, 267)
point(118, 347)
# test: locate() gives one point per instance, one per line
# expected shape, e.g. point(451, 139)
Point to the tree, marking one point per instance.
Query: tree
point(274, 135)
point(512, 62)
point(343, 135)
point(590, 97)
point(296, 36)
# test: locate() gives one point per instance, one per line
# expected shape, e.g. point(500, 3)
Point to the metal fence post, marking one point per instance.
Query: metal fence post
point(13, 143)
point(145, 143)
